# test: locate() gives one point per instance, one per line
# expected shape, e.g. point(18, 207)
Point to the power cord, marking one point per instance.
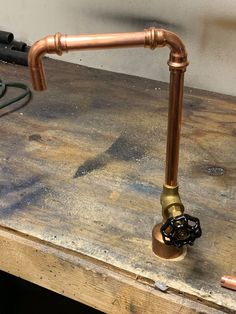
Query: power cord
point(3, 88)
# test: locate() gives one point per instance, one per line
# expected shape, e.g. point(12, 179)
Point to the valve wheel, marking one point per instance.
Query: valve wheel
point(181, 230)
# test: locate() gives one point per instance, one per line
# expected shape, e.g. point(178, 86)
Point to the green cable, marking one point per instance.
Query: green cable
point(3, 89)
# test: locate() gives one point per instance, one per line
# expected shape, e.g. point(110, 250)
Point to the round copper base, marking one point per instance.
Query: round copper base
point(160, 248)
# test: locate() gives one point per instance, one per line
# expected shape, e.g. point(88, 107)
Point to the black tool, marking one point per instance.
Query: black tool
point(6, 37)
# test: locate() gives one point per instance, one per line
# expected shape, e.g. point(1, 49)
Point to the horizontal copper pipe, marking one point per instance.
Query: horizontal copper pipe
point(63, 43)
point(151, 38)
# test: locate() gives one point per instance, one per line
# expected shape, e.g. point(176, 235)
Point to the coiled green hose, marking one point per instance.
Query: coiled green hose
point(3, 88)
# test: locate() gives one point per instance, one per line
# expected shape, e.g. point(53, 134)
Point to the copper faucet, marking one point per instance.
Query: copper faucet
point(177, 228)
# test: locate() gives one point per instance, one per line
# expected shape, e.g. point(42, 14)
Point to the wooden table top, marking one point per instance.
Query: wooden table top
point(82, 168)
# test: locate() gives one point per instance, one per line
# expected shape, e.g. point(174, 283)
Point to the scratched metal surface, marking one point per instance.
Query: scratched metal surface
point(83, 164)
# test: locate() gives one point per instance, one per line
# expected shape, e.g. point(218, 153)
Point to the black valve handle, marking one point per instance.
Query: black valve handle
point(181, 230)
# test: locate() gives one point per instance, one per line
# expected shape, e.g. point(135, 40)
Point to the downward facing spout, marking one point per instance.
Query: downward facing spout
point(49, 45)
point(36, 66)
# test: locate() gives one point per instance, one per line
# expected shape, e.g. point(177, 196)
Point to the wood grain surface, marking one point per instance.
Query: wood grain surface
point(82, 167)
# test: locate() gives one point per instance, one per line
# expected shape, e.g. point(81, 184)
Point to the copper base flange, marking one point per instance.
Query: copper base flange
point(160, 248)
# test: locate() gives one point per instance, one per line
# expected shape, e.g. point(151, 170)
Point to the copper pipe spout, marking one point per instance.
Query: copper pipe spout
point(152, 38)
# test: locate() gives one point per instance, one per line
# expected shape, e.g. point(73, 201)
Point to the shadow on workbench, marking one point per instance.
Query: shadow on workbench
point(18, 296)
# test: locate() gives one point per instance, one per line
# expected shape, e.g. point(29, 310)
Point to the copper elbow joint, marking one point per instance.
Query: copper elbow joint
point(172, 208)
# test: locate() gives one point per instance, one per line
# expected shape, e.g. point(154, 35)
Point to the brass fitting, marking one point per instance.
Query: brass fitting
point(177, 229)
point(171, 202)
point(171, 207)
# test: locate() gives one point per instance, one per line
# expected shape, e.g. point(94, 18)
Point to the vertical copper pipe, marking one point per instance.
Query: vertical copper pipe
point(174, 126)
point(151, 38)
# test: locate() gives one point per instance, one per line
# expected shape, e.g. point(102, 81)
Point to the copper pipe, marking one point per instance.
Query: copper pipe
point(228, 282)
point(174, 125)
point(151, 38)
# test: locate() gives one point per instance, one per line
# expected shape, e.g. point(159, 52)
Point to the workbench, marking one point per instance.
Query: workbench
point(82, 169)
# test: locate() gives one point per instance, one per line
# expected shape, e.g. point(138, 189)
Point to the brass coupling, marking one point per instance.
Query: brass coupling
point(171, 202)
